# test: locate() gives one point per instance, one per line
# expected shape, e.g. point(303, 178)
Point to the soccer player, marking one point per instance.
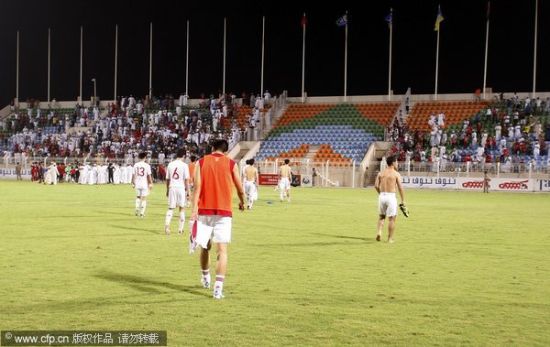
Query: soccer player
point(285, 177)
point(18, 172)
point(246, 164)
point(486, 181)
point(386, 183)
point(215, 176)
point(142, 182)
point(250, 181)
point(177, 190)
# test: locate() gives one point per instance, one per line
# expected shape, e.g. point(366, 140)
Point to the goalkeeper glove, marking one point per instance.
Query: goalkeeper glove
point(404, 209)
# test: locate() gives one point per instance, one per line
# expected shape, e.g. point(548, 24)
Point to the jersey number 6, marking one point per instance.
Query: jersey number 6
point(176, 175)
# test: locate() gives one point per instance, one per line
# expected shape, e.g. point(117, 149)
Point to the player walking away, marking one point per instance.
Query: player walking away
point(41, 170)
point(193, 160)
point(18, 172)
point(34, 172)
point(250, 179)
point(313, 177)
point(246, 164)
point(386, 183)
point(486, 181)
point(142, 182)
point(285, 177)
point(177, 190)
point(215, 176)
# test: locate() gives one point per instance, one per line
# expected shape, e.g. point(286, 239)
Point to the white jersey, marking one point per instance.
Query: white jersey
point(177, 172)
point(141, 171)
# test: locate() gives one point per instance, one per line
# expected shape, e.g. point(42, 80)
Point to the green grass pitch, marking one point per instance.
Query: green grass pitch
point(466, 268)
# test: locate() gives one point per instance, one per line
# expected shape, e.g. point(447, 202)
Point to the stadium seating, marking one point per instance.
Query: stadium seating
point(327, 153)
point(455, 112)
point(343, 131)
point(518, 148)
point(298, 152)
point(240, 116)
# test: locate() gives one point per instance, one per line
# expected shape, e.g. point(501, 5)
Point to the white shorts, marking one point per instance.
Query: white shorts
point(176, 197)
point(387, 204)
point(142, 191)
point(284, 183)
point(217, 228)
point(250, 190)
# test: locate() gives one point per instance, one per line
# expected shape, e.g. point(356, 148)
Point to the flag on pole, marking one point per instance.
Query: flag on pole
point(439, 18)
point(389, 17)
point(342, 21)
point(303, 22)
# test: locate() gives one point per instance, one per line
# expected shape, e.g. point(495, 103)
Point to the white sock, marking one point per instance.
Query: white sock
point(181, 221)
point(168, 218)
point(138, 203)
point(206, 274)
point(218, 285)
point(143, 206)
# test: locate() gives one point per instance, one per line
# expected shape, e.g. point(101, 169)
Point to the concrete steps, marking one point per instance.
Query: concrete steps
point(312, 151)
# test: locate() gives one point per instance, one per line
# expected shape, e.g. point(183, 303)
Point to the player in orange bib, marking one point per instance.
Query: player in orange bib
point(215, 176)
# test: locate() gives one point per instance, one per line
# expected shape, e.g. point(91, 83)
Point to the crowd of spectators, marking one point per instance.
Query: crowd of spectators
point(510, 131)
point(123, 129)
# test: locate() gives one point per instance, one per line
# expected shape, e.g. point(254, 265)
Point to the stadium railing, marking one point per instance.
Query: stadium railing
point(465, 169)
point(349, 174)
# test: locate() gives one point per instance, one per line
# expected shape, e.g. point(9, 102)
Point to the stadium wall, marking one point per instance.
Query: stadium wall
point(9, 174)
point(476, 183)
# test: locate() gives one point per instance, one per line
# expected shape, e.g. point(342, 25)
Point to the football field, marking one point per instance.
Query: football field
point(466, 268)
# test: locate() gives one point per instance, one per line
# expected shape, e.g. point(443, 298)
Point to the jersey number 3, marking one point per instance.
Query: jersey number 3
point(141, 171)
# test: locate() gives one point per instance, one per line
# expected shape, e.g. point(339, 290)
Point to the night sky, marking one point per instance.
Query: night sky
point(461, 50)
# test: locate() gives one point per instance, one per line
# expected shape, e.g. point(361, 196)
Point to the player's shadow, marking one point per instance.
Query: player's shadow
point(344, 237)
point(302, 244)
point(148, 285)
point(61, 216)
point(115, 213)
point(152, 231)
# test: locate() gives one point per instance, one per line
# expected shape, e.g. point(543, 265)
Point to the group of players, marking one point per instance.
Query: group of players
point(85, 173)
point(207, 186)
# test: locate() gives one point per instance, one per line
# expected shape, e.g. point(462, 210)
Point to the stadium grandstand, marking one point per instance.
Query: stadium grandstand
point(507, 131)
point(179, 173)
